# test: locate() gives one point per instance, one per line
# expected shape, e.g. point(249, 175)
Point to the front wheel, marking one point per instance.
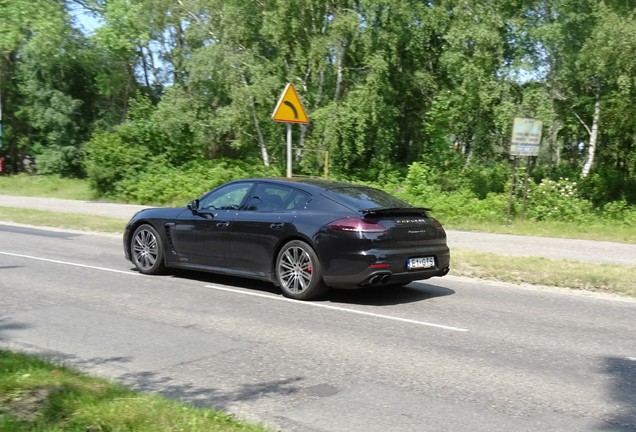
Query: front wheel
point(146, 250)
point(299, 272)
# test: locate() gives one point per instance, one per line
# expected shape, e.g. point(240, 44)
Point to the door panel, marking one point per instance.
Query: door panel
point(203, 236)
point(265, 220)
point(255, 236)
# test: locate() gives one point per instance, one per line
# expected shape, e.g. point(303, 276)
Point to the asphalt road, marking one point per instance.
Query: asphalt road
point(450, 354)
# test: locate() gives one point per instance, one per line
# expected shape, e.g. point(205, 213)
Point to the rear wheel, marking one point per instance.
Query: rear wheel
point(146, 250)
point(299, 272)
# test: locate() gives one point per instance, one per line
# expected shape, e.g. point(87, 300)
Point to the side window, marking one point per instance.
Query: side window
point(227, 198)
point(298, 200)
point(268, 198)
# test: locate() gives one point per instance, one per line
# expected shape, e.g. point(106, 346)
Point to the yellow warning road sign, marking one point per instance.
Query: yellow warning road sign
point(289, 109)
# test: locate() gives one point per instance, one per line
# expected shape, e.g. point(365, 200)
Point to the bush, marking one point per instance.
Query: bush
point(619, 211)
point(160, 183)
point(65, 161)
point(557, 201)
point(487, 179)
point(608, 186)
point(109, 161)
point(421, 183)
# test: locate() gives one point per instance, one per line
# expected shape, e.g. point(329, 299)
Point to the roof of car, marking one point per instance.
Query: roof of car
point(316, 182)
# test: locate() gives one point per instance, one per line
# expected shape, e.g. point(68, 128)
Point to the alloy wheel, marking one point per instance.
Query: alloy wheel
point(295, 270)
point(145, 249)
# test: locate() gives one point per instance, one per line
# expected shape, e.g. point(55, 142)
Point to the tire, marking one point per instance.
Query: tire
point(299, 272)
point(146, 250)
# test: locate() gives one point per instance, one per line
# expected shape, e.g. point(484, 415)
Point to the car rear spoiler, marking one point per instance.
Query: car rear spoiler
point(402, 211)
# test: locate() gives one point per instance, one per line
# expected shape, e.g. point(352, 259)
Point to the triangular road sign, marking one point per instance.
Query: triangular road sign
point(289, 109)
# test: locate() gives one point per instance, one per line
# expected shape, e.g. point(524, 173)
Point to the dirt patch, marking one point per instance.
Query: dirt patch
point(26, 406)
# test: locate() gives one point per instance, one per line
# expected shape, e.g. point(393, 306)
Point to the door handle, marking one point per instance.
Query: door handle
point(223, 224)
point(277, 225)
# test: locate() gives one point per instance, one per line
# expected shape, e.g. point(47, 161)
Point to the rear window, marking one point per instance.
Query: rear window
point(364, 198)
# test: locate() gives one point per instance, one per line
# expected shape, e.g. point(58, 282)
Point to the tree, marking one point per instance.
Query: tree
point(588, 58)
point(46, 88)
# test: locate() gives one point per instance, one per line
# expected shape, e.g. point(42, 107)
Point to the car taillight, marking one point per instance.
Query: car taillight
point(356, 225)
point(437, 224)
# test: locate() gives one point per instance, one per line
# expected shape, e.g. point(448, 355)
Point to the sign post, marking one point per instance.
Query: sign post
point(289, 110)
point(526, 137)
point(525, 141)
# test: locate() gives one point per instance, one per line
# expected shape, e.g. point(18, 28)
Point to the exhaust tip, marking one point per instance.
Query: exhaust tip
point(379, 279)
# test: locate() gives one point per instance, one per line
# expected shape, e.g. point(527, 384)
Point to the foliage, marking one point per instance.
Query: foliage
point(160, 183)
point(60, 160)
point(558, 200)
point(611, 185)
point(110, 160)
point(619, 211)
point(397, 91)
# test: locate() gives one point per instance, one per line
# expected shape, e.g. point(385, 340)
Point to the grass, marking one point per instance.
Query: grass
point(610, 278)
point(62, 220)
point(595, 229)
point(36, 395)
point(45, 186)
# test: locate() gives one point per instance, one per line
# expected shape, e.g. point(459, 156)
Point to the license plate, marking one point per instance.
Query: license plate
point(420, 263)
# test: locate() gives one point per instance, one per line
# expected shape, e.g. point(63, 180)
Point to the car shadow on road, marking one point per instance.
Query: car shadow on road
point(371, 296)
point(385, 296)
point(10, 326)
point(623, 393)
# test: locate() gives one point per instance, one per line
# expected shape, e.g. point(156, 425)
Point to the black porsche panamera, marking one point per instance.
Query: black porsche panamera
point(303, 235)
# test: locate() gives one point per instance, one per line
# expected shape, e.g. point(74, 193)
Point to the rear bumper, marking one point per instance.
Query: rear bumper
point(378, 278)
point(372, 268)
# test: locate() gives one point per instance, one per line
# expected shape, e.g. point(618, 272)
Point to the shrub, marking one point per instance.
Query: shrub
point(619, 211)
point(557, 201)
point(160, 183)
point(608, 186)
point(109, 161)
point(421, 183)
point(65, 161)
point(485, 179)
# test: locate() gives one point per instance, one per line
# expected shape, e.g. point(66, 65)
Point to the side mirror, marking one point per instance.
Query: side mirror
point(193, 206)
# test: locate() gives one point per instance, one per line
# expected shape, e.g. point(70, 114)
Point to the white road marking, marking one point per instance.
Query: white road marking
point(253, 294)
point(336, 308)
point(69, 263)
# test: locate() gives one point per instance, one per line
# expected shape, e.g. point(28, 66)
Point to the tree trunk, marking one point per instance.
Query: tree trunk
point(591, 150)
point(340, 69)
point(259, 132)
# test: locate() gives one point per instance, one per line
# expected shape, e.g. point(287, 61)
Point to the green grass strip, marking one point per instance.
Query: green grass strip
point(611, 278)
point(36, 395)
point(45, 186)
point(74, 221)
